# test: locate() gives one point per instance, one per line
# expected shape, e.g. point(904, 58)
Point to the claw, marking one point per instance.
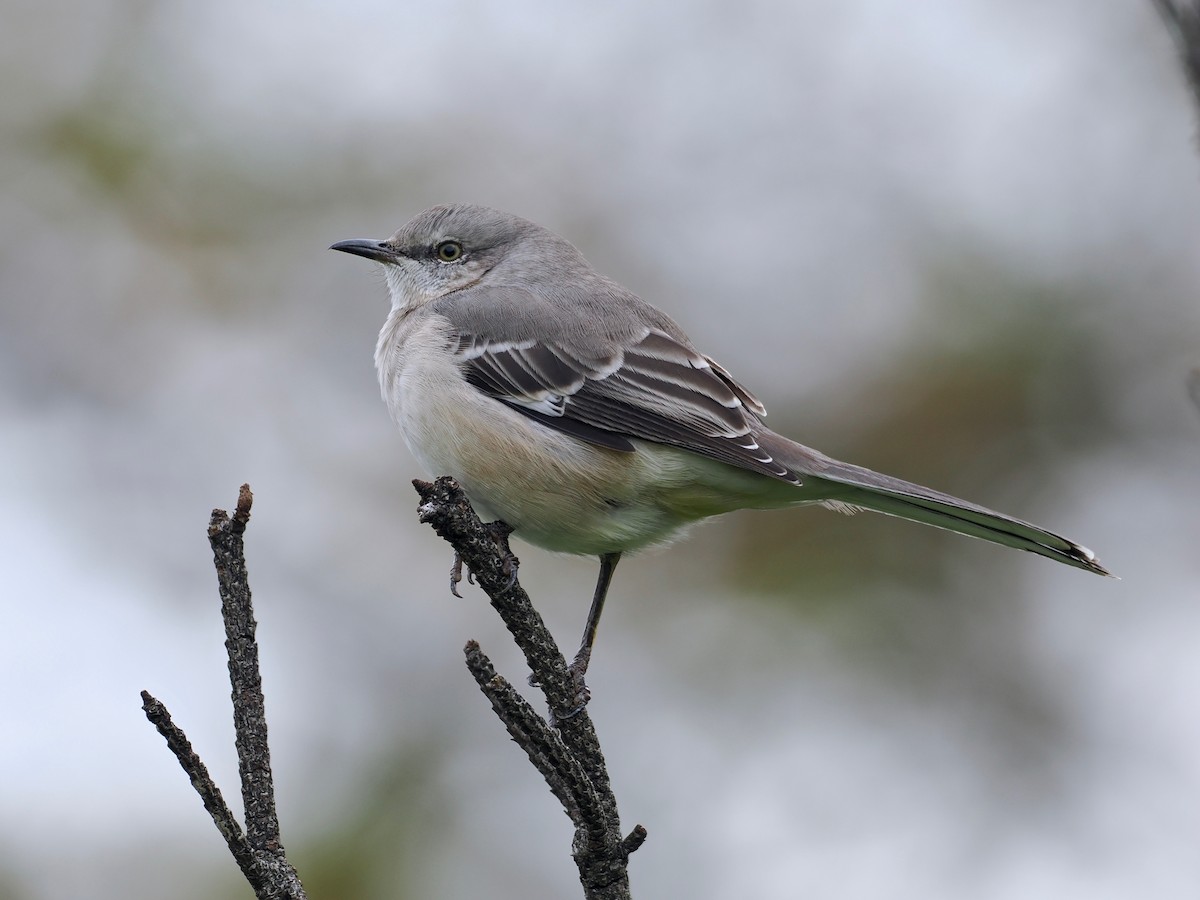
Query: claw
point(576, 671)
point(582, 695)
point(499, 532)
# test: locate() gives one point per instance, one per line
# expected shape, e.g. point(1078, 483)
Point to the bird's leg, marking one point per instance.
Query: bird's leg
point(579, 666)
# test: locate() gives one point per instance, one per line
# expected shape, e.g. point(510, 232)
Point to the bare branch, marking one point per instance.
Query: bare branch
point(530, 731)
point(249, 711)
point(258, 852)
point(564, 746)
point(197, 772)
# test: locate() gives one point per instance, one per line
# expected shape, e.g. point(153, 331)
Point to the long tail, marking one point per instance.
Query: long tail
point(838, 483)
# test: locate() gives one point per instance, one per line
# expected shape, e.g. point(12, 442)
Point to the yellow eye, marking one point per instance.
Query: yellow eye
point(448, 251)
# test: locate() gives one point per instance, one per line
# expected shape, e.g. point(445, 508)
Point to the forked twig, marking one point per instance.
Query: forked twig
point(563, 747)
point(257, 851)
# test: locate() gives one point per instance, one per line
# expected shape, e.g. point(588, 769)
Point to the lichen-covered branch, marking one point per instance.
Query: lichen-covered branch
point(197, 772)
point(257, 851)
point(563, 746)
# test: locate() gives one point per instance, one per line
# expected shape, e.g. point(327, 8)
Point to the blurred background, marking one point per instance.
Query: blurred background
point(955, 241)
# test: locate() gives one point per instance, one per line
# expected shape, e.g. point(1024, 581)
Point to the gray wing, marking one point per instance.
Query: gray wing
point(649, 385)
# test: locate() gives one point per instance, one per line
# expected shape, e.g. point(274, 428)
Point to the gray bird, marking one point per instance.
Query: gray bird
point(584, 418)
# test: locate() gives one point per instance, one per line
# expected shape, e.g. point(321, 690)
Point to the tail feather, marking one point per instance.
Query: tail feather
point(859, 487)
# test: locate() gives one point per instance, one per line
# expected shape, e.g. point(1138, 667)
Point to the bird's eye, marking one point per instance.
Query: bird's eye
point(448, 251)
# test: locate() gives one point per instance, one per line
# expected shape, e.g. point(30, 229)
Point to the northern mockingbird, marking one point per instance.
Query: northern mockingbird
point(584, 418)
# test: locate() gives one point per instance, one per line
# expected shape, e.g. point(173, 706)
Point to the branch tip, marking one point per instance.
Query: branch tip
point(634, 839)
point(245, 500)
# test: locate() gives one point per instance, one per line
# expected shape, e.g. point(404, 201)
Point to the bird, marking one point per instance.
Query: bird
point(585, 419)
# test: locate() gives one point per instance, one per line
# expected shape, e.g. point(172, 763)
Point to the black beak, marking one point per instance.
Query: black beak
point(380, 251)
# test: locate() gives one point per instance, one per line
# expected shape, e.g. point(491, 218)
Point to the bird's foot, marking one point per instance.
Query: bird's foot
point(576, 672)
point(499, 532)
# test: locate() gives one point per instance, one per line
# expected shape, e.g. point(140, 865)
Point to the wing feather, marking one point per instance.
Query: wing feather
point(653, 388)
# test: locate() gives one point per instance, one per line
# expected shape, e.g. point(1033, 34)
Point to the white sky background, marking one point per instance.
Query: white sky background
point(778, 178)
